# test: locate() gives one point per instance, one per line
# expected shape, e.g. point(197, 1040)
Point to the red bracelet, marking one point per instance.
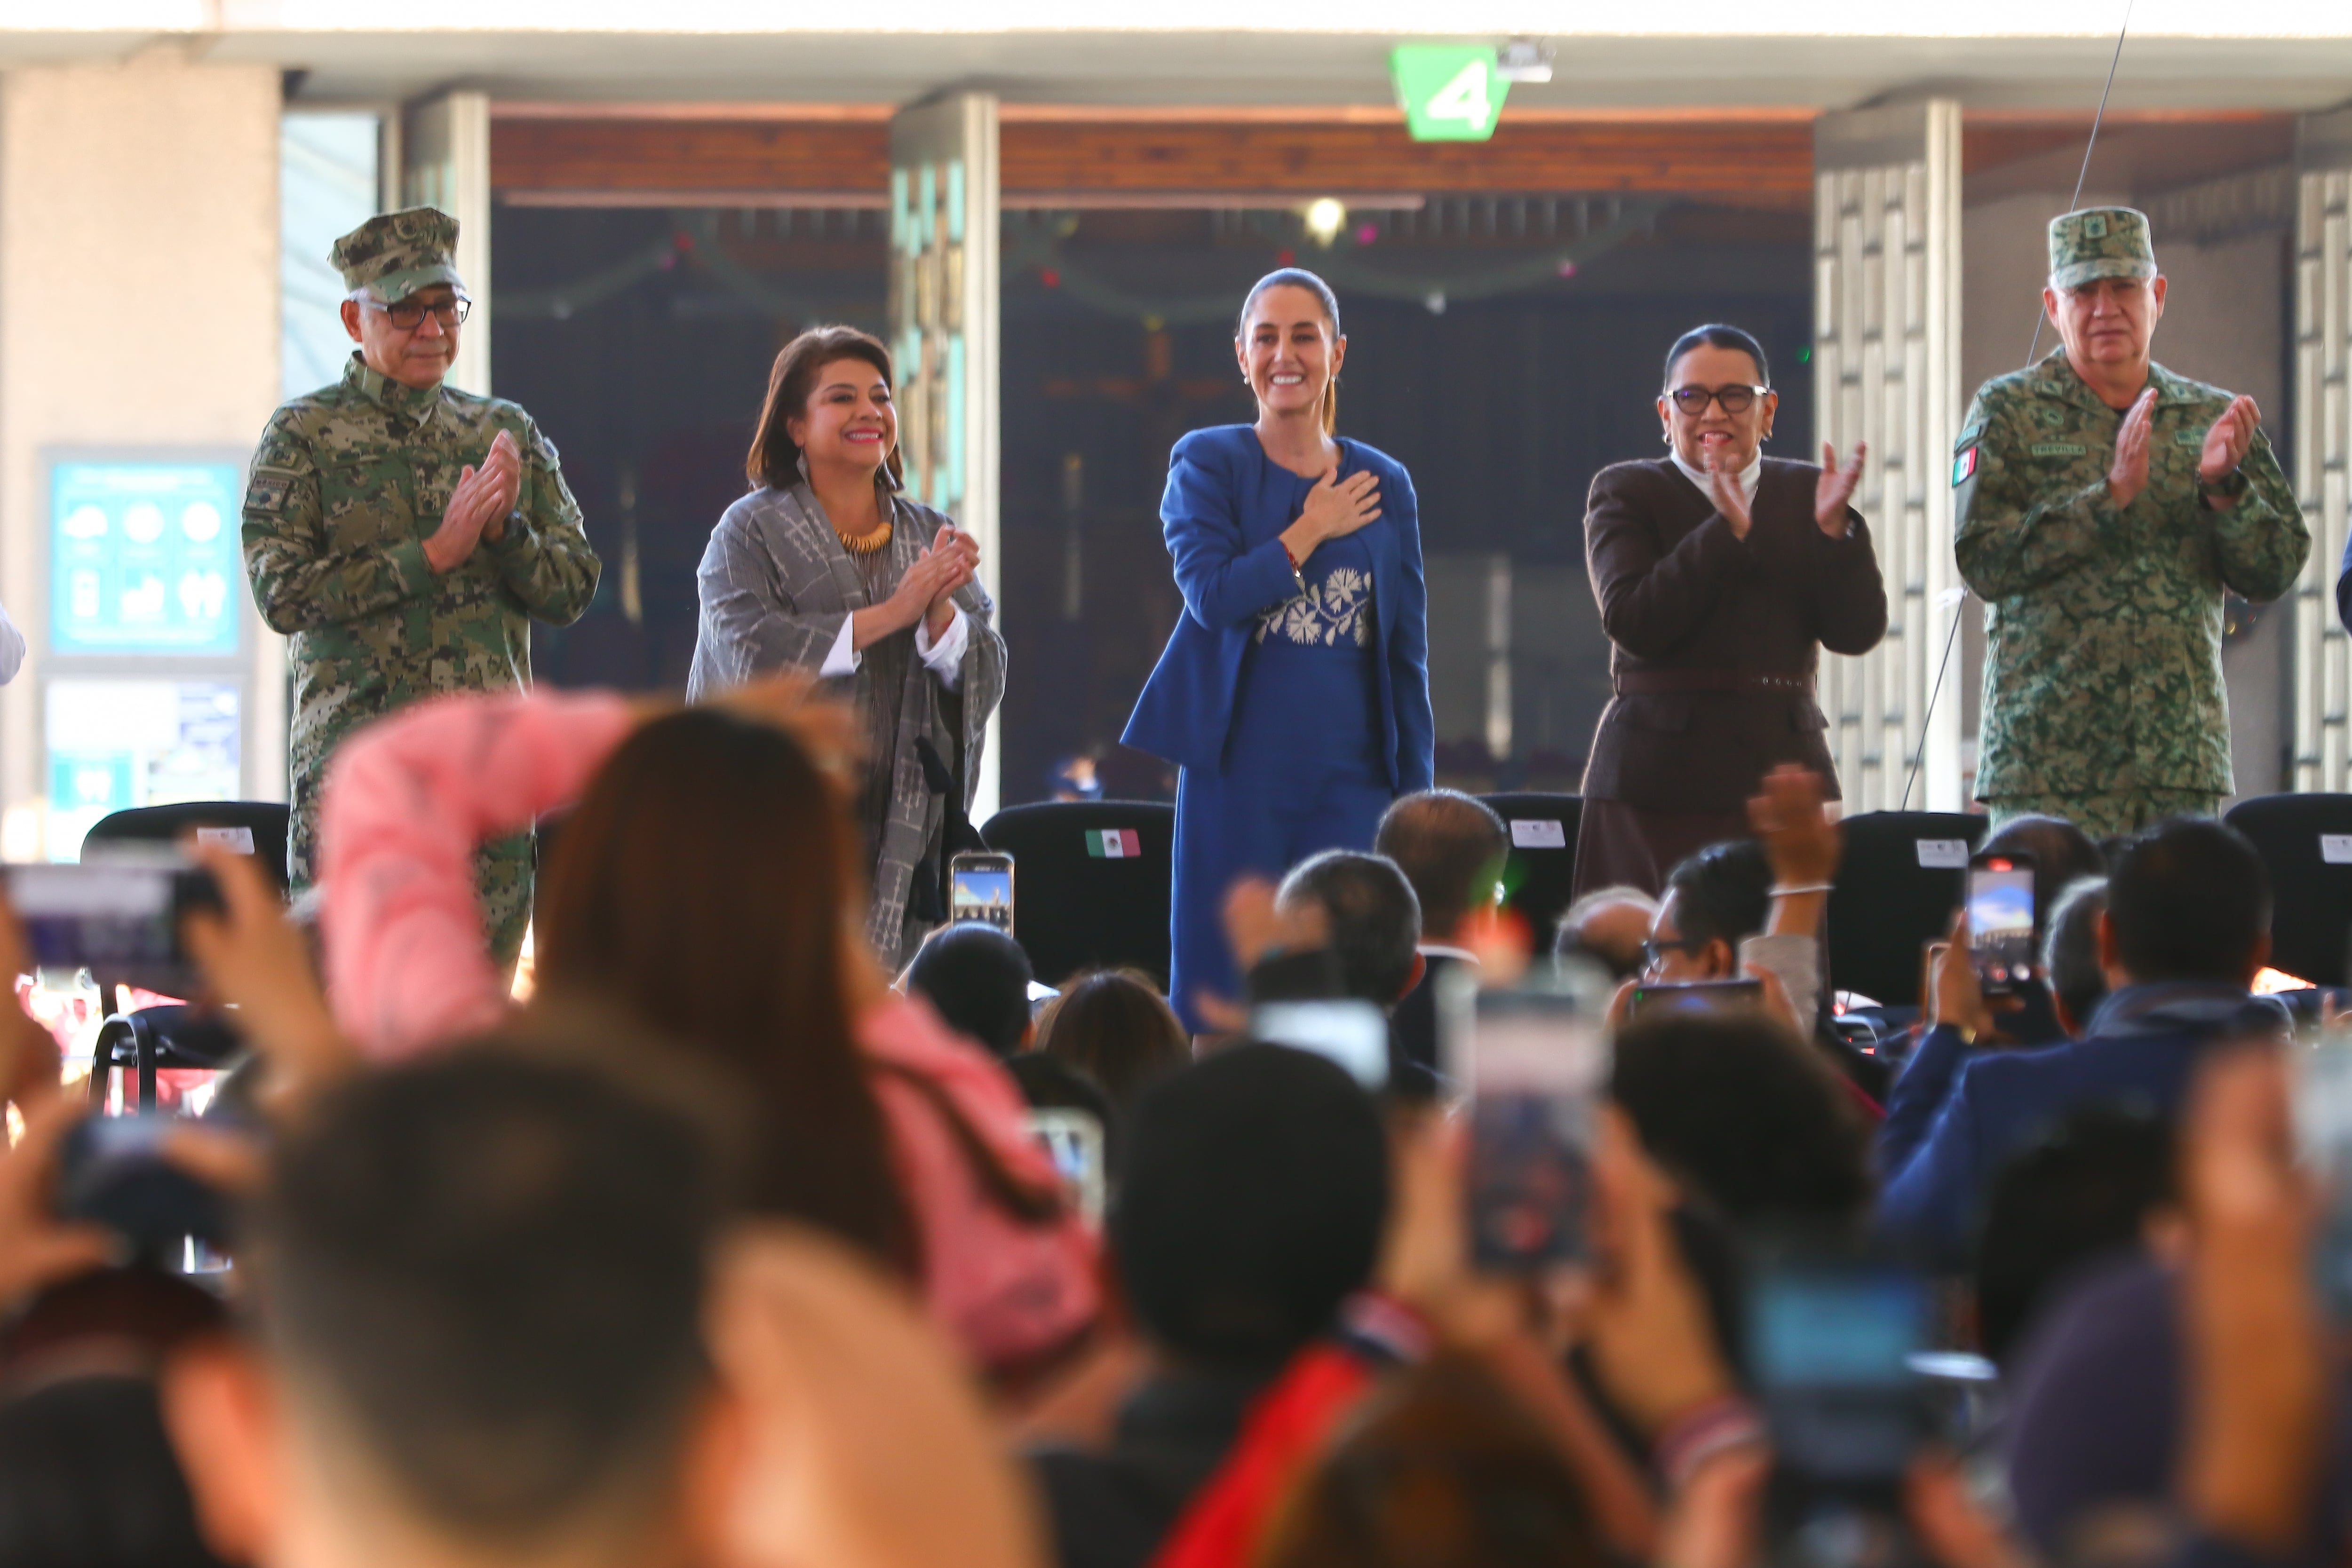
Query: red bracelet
point(1288, 557)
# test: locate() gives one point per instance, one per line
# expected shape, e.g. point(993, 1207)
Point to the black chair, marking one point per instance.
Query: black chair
point(2306, 842)
point(1902, 874)
point(1075, 906)
point(265, 821)
point(174, 1036)
point(1541, 870)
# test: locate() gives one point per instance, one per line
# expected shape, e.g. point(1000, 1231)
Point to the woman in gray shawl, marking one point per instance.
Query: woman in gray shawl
point(827, 567)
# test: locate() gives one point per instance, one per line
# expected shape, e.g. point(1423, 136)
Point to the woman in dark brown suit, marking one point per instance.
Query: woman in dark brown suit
point(1721, 573)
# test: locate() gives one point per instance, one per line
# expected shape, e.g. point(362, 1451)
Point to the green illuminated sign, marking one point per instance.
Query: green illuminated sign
point(1451, 92)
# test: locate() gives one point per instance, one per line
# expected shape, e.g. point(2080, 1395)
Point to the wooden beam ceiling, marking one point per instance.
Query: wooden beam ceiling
point(1764, 161)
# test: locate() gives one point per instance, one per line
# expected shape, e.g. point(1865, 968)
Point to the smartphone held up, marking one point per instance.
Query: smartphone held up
point(1535, 1062)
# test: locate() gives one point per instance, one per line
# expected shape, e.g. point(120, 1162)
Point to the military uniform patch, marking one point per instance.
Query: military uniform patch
point(1963, 465)
point(267, 491)
point(2059, 449)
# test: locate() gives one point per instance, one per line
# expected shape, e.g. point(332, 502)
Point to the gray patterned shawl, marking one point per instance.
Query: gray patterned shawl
point(776, 586)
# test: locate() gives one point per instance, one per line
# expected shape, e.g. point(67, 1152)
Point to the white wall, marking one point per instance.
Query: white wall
point(138, 304)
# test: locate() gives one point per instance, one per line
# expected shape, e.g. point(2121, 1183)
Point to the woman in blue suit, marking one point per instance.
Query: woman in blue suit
point(1294, 693)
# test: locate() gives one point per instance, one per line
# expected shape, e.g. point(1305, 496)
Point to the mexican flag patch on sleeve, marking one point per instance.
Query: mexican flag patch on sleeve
point(1963, 465)
point(1114, 844)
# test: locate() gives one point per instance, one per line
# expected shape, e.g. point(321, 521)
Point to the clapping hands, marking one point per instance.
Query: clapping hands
point(1834, 491)
point(479, 506)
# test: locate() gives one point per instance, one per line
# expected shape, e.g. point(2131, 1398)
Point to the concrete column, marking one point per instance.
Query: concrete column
point(139, 314)
point(444, 163)
point(1887, 341)
point(943, 330)
point(2323, 442)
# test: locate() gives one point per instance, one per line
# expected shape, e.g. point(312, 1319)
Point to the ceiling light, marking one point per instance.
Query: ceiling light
point(1325, 217)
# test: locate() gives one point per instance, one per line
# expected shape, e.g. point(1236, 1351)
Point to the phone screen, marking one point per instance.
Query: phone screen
point(1831, 1345)
point(2001, 924)
point(981, 888)
point(1073, 1140)
point(2323, 1121)
point(1697, 996)
point(1353, 1034)
point(1537, 1063)
point(111, 918)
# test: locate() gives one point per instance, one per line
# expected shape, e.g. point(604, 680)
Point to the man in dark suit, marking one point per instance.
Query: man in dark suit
point(1451, 848)
point(1721, 573)
point(2187, 926)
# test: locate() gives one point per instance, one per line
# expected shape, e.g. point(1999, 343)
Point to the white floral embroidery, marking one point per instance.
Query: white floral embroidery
point(1336, 609)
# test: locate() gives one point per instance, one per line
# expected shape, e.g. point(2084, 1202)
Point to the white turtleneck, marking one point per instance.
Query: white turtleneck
point(1750, 477)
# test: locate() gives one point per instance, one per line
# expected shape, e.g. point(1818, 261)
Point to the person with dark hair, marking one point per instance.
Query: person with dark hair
point(1443, 1468)
point(1293, 695)
point(1713, 898)
point(707, 884)
point(2079, 1199)
point(2186, 929)
point(1371, 916)
point(1610, 927)
point(977, 980)
point(1253, 1201)
point(476, 1285)
point(2063, 853)
point(1721, 573)
point(1451, 847)
point(1748, 1118)
point(828, 566)
point(1115, 1028)
point(2070, 954)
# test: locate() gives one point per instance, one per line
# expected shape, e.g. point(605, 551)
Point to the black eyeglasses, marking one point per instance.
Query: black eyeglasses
point(409, 314)
point(1734, 399)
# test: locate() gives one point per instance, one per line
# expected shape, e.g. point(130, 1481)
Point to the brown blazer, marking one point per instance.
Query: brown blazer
point(1689, 603)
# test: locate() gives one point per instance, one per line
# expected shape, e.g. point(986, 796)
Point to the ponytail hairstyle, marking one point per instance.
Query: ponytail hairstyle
point(1299, 278)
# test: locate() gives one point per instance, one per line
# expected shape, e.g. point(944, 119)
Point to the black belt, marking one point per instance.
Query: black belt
point(1659, 682)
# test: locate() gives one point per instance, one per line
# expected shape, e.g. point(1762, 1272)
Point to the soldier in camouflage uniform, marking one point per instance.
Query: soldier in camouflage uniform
point(403, 534)
point(2102, 505)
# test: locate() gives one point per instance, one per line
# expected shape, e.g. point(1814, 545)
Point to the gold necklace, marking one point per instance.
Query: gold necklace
point(866, 543)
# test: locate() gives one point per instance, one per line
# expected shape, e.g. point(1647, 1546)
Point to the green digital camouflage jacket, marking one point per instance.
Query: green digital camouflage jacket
point(2102, 623)
point(346, 486)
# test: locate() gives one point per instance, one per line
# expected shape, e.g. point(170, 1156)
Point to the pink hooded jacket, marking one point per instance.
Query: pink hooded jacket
point(407, 802)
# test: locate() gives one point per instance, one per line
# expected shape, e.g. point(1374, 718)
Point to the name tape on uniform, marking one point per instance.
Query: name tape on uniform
point(1538, 833)
point(1943, 855)
point(1114, 844)
point(2335, 849)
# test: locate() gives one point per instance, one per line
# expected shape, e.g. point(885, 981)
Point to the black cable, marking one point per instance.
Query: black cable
point(2033, 348)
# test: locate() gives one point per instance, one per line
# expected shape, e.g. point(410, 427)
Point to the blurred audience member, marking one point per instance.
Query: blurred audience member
point(977, 980)
point(2070, 954)
point(478, 1288)
point(1451, 847)
point(1745, 1117)
point(1253, 1196)
point(1608, 927)
point(2187, 926)
point(1115, 1027)
point(2063, 853)
point(1074, 779)
point(2079, 1200)
point(88, 1478)
point(1441, 1469)
point(704, 886)
point(1371, 915)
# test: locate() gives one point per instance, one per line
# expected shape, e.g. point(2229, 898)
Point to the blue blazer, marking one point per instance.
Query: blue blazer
point(1225, 505)
point(1956, 1116)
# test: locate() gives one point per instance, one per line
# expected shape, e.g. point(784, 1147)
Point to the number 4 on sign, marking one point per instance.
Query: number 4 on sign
point(1465, 98)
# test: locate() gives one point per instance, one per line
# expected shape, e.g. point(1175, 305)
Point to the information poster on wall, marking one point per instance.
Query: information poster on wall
point(143, 557)
point(116, 744)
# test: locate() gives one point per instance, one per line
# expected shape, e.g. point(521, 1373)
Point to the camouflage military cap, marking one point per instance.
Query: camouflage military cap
point(393, 254)
point(2099, 242)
